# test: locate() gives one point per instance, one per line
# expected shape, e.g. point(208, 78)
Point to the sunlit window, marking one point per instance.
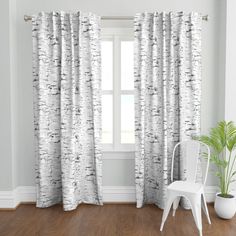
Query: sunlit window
point(127, 65)
point(107, 87)
point(118, 92)
point(107, 65)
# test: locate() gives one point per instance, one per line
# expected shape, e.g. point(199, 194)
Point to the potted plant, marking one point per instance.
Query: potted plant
point(222, 141)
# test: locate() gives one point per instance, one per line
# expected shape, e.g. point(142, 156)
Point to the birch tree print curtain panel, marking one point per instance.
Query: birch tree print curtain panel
point(67, 108)
point(167, 96)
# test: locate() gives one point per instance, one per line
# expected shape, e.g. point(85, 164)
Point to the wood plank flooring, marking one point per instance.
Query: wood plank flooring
point(107, 220)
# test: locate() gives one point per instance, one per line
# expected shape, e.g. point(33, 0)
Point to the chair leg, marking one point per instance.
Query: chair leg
point(205, 209)
point(196, 210)
point(175, 205)
point(166, 211)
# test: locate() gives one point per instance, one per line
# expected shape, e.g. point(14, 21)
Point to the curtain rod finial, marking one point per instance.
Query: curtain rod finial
point(27, 18)
point(206, 18)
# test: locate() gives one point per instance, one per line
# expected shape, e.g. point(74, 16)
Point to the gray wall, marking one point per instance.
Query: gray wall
point(19, 149)
point(5, 101)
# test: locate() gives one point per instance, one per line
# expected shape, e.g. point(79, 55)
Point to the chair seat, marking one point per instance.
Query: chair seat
point(185, 186)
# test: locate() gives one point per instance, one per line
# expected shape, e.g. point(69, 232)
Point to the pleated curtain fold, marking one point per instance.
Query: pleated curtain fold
point(67, 108)
point(67, 103)
point(167, 97)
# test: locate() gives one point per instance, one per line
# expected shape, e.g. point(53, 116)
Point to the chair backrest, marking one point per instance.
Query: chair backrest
point(190, 151)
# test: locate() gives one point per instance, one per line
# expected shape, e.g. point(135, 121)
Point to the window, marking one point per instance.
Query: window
point(117, 89)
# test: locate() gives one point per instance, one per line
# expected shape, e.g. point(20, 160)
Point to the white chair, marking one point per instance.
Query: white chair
point(190, 189)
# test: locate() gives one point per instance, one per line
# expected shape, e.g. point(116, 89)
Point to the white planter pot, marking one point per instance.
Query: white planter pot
point(225, 207)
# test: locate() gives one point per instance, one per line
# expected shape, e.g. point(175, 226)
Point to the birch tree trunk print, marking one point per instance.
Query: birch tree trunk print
point(167, 97)
point(67, 108)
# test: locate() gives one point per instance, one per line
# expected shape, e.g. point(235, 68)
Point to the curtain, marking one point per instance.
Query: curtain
point(67, 108)
point(167, 97)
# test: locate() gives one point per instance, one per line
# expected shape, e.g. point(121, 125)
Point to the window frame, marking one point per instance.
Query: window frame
point(116, 35)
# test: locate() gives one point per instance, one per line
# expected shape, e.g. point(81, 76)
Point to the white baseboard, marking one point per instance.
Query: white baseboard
point(119, 194)
point(26, 194)
point(21, 194)
point(11, 199)
point(7, 199)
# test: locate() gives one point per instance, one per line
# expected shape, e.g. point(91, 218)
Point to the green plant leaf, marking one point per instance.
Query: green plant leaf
point(221, 138)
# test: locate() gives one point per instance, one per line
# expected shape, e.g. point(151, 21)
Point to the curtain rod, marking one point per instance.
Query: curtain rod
point(29, 18)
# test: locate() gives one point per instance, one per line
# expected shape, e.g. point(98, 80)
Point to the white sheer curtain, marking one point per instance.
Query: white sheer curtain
point(167, 96)
point(67, 108)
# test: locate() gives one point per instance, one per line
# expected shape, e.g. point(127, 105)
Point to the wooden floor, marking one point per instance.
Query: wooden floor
point(107, 220)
